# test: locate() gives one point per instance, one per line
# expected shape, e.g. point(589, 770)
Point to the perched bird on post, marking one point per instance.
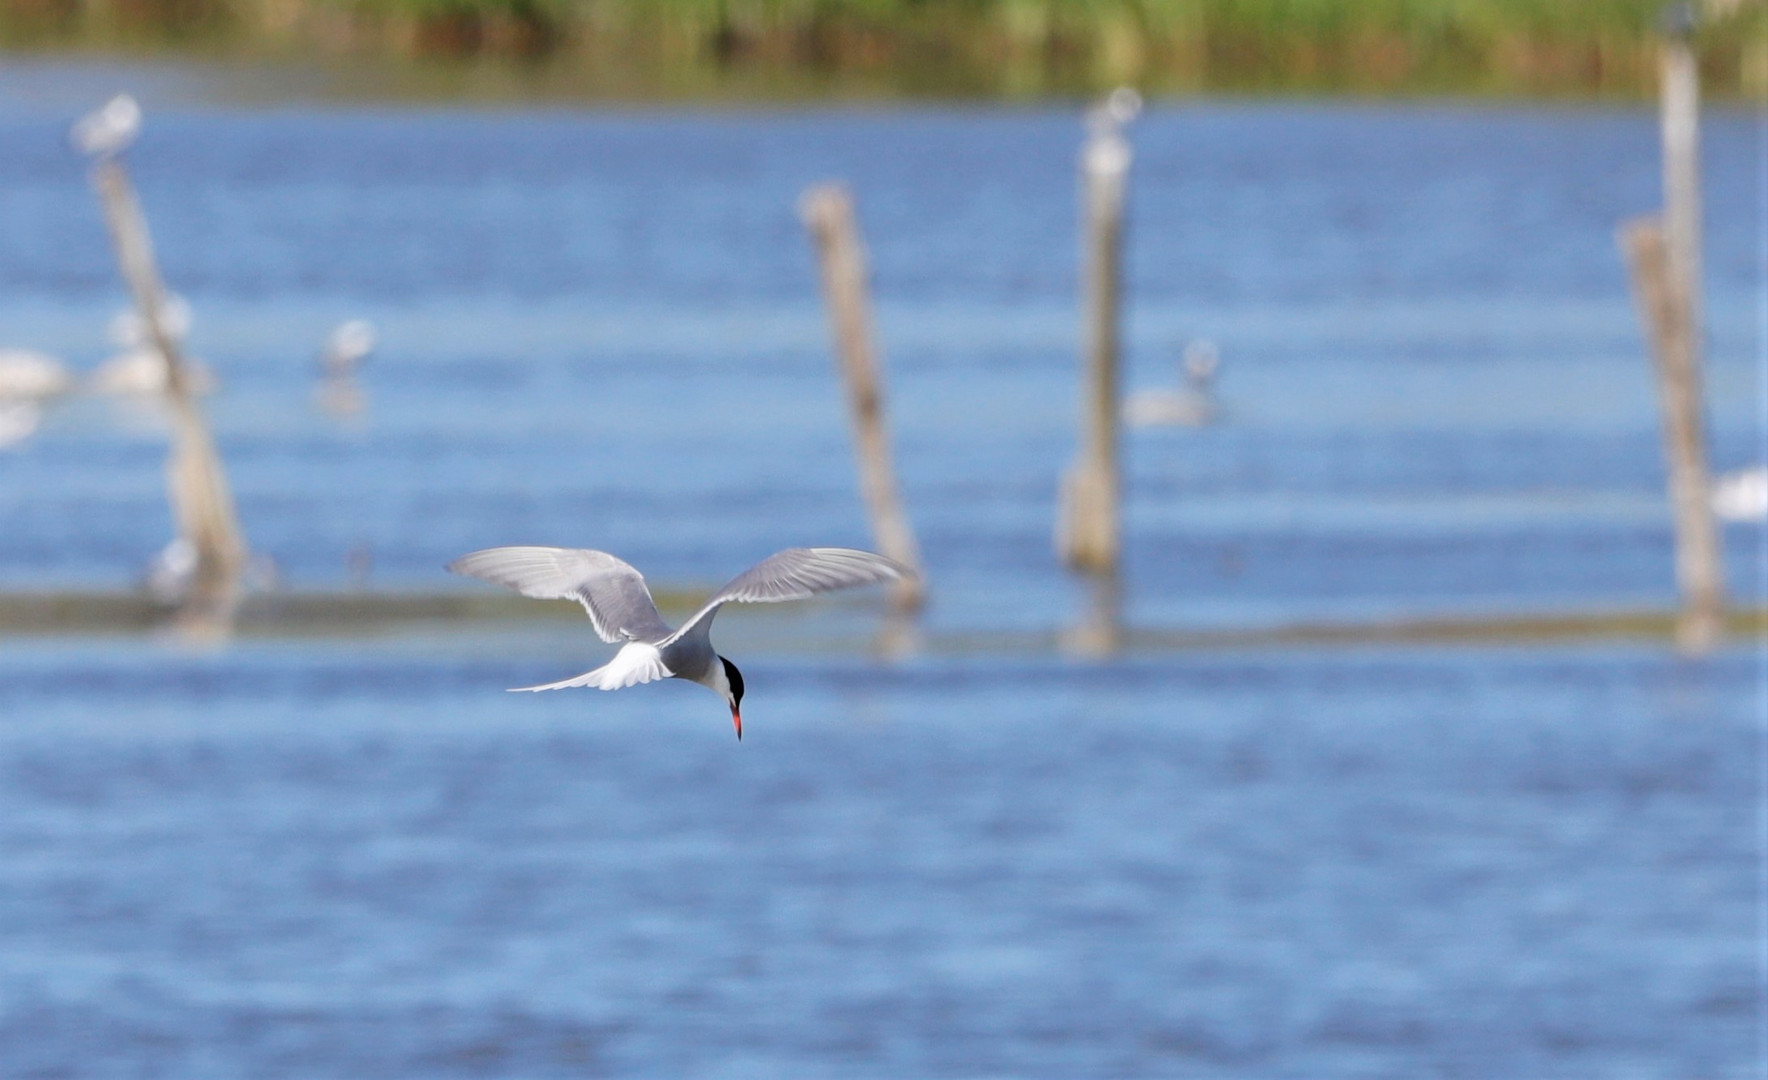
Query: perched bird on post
point(109, 129)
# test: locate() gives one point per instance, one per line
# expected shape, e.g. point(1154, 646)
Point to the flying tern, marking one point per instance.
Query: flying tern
point(622, 612)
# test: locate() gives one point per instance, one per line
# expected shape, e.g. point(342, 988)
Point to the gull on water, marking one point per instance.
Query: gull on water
point(27, 373)
point(27, 380)
point(19, 420)
point(1742, 496)
point(140, 368)
point(622, 612)
point(1191, 405)
point(348, 345)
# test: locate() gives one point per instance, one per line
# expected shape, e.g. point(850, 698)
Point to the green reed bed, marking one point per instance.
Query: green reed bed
point(767, 48)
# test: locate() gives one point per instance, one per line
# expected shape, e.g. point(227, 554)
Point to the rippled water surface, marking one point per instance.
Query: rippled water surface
point(295, 862)
point(600, 327)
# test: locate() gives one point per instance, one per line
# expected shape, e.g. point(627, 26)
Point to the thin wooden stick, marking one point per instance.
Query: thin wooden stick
point(1665, 317)
point(1088, 527)
point(827, 211)
point(202, 504)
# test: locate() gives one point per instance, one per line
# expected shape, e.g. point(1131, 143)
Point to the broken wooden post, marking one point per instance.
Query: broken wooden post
point(202, 505)
point(1088, 523)
point(1665, 317)
point(827, 211)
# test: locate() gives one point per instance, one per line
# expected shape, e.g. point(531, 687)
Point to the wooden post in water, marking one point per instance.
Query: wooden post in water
point(1666, 265)
point(1665, 317)
point(1679, 118)
point(202, 505)
point(827, 211)
point(1088, 525)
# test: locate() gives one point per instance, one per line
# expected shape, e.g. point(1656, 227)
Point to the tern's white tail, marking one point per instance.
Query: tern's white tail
point(635, 663)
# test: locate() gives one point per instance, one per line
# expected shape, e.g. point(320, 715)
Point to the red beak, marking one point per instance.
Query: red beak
point(737, 719)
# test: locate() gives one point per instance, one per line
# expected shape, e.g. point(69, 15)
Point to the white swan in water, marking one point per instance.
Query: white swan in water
point(1191, 405)
point(1742, 495)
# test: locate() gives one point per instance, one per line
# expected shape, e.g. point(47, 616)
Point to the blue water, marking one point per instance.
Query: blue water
point(600, 327)
point(308, 862)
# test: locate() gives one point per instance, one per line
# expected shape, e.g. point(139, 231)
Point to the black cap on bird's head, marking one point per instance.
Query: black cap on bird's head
point(735, 679)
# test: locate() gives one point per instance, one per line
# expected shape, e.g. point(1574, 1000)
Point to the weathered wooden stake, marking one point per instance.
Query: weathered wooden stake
point(1665, 317)
point(827, 211)
point(1679, 117)
point(197, 488)
point(1088, 525)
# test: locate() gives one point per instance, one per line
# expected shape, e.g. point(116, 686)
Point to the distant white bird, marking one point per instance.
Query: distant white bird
point(1742, 495)
point(128, 330)
point(140, 368)
point(171, 573)
point(1106, 151)
point(19, 419)
point(28, 379)
point(622, 612)
point(26, 373)
point(109, 129)
point(348, 345)
point(345, 349)
point(1191, 405)
point(142, 371)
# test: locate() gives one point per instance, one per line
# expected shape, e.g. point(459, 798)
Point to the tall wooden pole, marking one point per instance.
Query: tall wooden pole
point(1681, 334)
point(1679, 116)
point(827, 211)
point(1088, 527)
point(202, 504)
point(1665, 316)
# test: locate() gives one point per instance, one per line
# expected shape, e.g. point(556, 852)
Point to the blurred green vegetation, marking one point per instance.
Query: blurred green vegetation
point(767, 48)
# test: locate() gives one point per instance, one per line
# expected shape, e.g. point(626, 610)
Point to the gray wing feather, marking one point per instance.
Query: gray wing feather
point(795, 574)
point(619, 605)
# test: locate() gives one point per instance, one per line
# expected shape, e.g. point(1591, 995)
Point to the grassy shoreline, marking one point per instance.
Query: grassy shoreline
point(771, 49)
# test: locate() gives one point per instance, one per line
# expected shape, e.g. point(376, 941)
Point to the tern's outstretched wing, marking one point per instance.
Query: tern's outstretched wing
point(794, 574)
point(614, 594)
